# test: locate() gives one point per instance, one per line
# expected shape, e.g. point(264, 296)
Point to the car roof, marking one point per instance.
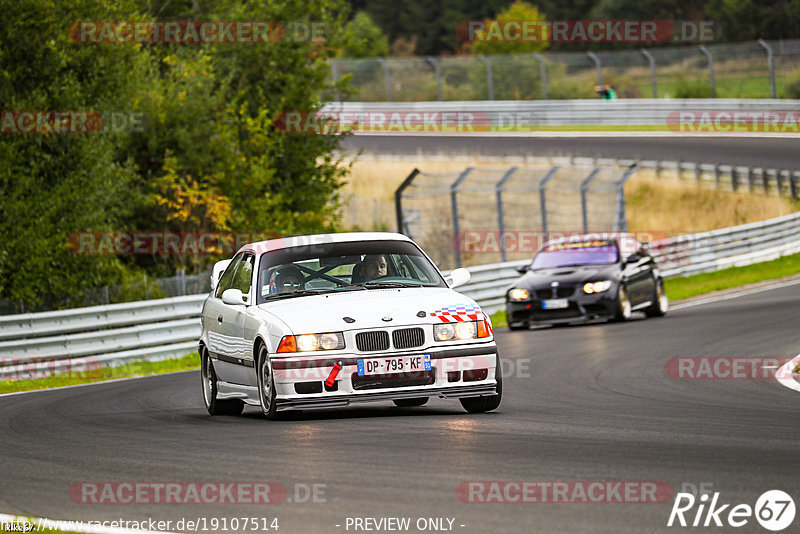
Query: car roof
point(319, 239)
point(625, 241)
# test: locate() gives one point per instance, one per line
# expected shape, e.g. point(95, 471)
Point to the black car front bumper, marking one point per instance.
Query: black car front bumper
point(581, 308)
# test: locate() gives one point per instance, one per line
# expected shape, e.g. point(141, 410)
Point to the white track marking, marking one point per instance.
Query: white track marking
point(784, 374)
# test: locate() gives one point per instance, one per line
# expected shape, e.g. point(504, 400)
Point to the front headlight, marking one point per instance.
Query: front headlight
point(312, 342)
point(596, 287)
point(519, 294)
point(460, 331)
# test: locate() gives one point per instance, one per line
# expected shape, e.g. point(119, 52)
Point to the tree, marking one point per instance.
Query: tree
point(497, 38)
point(364, 38)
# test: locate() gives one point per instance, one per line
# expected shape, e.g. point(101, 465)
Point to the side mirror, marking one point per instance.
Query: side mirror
point(522, 269)
point(216, 272)
point(458, 277)
point(234, 297)
point(633, 258)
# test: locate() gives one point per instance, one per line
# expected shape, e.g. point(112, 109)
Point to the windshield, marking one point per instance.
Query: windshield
point(336, 267)
point(580, 253)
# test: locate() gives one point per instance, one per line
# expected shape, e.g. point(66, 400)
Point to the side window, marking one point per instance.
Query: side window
point(227, 278)
point(244, 274)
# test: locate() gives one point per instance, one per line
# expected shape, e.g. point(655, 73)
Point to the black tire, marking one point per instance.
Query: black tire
point(214, 405)
point(266, 385)
point(660, 302)
point(622, 305)
point(488, 403)
point(408, 403)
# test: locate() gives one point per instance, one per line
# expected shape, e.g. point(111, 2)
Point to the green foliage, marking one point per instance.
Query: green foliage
point(691, 88)
point(364, 38)
point(209, 158)
point(744, 20)
point(791, 88)
point(489, 42)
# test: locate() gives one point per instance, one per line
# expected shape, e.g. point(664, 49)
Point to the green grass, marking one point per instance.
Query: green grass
point(680, 288)
point(690, 286)
point(140, 368)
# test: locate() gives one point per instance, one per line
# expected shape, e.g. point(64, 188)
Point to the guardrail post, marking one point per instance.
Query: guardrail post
point(181, 281)
point(765, 180)
point(584, 204)
point(652, 61)
point(717, 175)
point(779, 181)
point(489, 76)
point(710, 58)
point(620, 219)
point(771, 64)
point(398, 203)
point(500, 218)
point(454, 213)
point(543, 199)
point(387, 74)
point(751, 178)
point(542, 73)
point(734, 179)
point(698, 174)
point(437, 70)
point(597, 65)
point(792, 184)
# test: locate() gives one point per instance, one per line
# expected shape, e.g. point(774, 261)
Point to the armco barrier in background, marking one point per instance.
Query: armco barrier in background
point(160, 329)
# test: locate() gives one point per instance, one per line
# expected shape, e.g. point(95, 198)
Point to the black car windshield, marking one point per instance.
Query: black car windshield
point(576, 253)
point(348, 266)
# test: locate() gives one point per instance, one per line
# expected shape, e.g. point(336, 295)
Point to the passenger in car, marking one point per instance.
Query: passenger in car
point(374, 266)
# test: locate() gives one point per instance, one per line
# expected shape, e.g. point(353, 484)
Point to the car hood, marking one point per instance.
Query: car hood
point(574, 275)
point(325, 313)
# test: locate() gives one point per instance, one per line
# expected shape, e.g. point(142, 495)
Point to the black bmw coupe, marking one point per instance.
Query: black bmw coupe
point(587, 278)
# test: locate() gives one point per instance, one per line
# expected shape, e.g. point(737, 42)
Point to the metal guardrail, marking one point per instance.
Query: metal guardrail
point(510, 115)
point(52, 342)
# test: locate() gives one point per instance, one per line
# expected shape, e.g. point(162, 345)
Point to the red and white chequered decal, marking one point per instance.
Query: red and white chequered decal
point(458, 313)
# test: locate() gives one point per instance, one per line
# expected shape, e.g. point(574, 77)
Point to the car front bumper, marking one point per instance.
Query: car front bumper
point(461, 371)
point(581, 308)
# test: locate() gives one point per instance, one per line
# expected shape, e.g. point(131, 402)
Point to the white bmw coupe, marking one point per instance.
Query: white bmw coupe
point(330, 320)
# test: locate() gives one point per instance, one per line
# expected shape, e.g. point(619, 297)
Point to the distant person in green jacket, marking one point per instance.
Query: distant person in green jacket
point(605, 92)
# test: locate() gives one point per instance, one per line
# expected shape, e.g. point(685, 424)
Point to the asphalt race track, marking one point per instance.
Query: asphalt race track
point(726, 149)
point(588, 403)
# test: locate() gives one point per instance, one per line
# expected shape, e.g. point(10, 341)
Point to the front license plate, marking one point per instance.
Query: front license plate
point(394, 364)
point(555, 304)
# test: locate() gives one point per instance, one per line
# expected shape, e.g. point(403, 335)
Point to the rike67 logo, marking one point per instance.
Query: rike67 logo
point(774, 510)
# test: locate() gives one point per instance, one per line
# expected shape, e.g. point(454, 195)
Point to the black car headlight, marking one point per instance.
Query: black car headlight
point(518, 294)
point(597, 287)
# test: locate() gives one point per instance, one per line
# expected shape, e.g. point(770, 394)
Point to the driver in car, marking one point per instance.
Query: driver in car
point(285, 279)
point(374, 266)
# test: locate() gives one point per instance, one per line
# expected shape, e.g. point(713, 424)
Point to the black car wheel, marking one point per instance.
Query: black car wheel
point(512, 326)
point(266, 385)
point(408, 403)
point(487, 403)
point(214, 405)
point(660, 302)
point(623, 304)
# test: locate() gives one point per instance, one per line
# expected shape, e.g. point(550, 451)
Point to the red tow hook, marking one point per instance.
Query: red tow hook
point(335, 371)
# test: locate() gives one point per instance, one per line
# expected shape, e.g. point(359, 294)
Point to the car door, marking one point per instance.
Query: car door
point(232, 366)
point(214, 312)
point(639, 276)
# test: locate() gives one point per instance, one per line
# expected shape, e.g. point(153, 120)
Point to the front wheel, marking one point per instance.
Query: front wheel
point(660, 302)
point(266, 385)
point(487, 403)
point(623, 311)
point(214, 405)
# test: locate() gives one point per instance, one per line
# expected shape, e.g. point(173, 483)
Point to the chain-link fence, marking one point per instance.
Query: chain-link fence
point(471, 217)
point(757, 69)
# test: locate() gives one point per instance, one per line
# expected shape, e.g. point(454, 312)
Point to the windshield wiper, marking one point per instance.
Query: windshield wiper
point(373, 285)
point(304, 293)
